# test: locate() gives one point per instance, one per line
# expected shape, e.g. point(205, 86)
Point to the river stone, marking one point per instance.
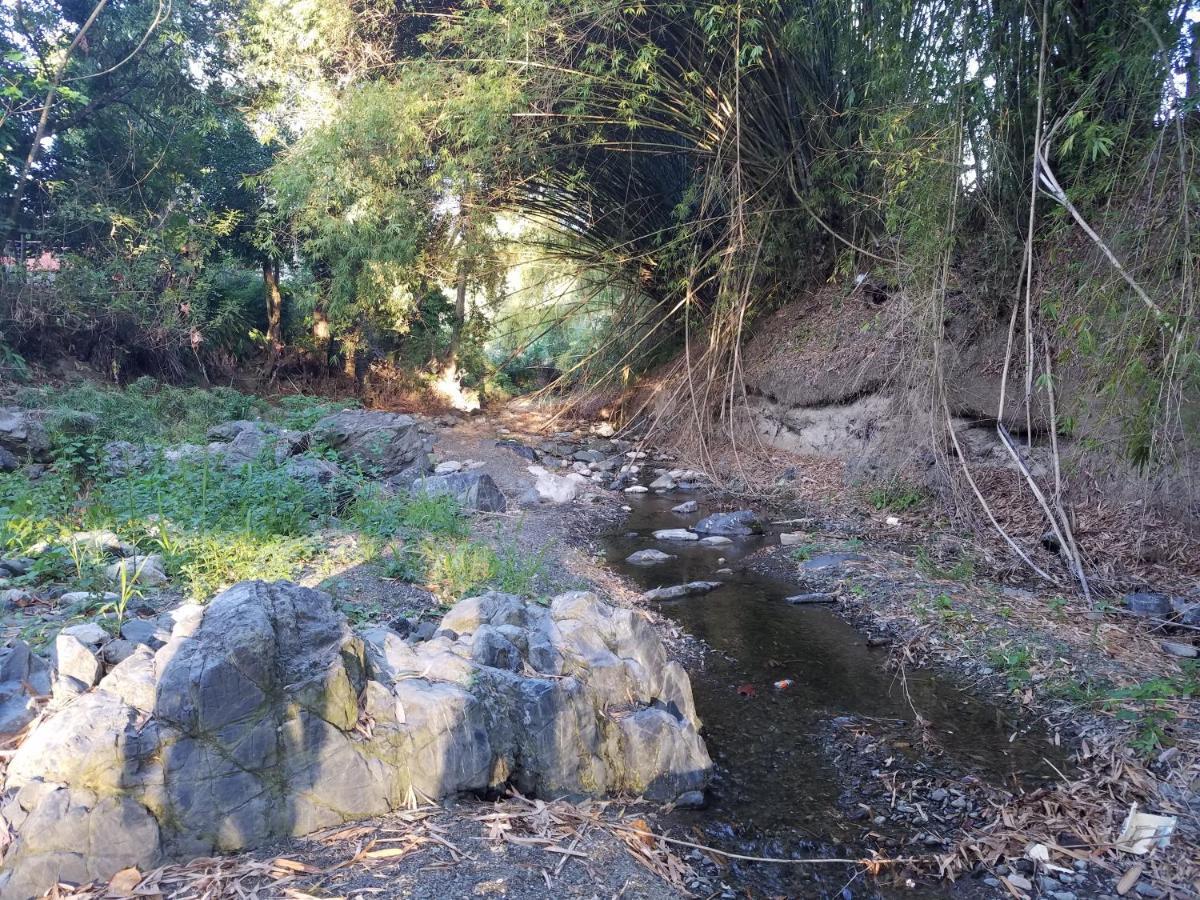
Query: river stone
point(385, 444)
point(8, 461)
point(716, 540)
point(686, 508)
point(247, 726)
point(663, 483)
point(675, 591)
point(740, 522)
point(648, 558)
point(675, 534)
point(472, 490)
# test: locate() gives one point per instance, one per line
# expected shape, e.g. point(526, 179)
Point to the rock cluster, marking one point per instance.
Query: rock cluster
point(263, 714)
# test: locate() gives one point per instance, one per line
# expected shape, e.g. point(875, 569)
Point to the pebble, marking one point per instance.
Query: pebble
point(1020, 882)
point(1146, 889)
point(939, 795)
point(1062, 895)
point(636, 489)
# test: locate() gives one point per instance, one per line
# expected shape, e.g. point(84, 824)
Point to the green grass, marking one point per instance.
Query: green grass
point(961, 569)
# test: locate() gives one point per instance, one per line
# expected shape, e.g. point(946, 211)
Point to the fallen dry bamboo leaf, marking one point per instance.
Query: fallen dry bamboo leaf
point(1129, 879)
point(124, 882)
point(294, 865)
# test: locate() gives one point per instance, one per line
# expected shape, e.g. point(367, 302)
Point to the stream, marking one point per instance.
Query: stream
point(778, 791)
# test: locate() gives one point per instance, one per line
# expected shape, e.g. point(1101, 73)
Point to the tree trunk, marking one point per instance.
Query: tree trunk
point(460, 316)
point(274, 314)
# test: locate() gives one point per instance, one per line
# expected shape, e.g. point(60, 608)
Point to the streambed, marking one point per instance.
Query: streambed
point(782, 788)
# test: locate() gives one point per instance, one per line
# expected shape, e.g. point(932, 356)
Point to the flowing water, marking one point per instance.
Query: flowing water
point(778, 787)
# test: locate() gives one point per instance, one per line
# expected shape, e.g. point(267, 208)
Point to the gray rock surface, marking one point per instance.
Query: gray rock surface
point(675, 534)
point(24, 680)
point(22, 434)
point(383, 443)
point(648, 557)
point(686, 508)
point(8, 461)
point(264, 715)
point(1148, 604)
point(739, 522)
point(142, 570)
point(675, 591)
point(472, 490)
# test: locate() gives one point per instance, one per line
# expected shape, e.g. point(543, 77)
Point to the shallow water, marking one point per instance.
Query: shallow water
point(777, 788)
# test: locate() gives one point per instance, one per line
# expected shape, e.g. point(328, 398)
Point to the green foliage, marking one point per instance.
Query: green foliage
point(1148, 705)
point(897, 495)
point(1014, 663)
point(457, 568)
point(961, 569)
point(147, 411)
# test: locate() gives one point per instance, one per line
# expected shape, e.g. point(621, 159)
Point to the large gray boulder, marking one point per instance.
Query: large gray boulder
point(385, 444)
point(264, 715)
point(22, 434)
point(472, 490)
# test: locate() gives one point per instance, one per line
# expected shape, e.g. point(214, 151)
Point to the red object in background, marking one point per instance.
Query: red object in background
point(746, 690)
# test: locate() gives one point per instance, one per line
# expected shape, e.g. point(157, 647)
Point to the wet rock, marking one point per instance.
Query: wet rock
point(21, 434)
point(804, 599)
point(675, 534)
point(244, 728)
point(636, 489)
point(144, 570)
point(472, 490)
point(675, 591)
point(647, 558)
point(385, 444)
point(686, 508)
point(663, 483)
point(24, 680)
point(1143, 603)
point(740, 522)
point(716, 540)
